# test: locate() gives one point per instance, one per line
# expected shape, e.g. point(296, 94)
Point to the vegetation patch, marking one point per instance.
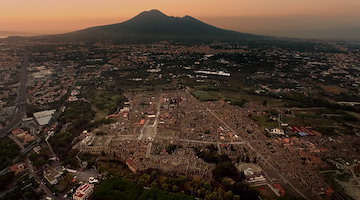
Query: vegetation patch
point(264, 121)
point(105, 101)
point(8, 151)
point(116, 189)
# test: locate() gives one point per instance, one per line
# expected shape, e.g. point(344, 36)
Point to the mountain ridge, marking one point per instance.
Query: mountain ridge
point(155, 25)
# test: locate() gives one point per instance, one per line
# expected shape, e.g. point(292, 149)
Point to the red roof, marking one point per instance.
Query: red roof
point(329, 191)
point(132, 163)
point(79, 194)
point(307, 130)
point(17, 168)
point(17, 131)
point(281, 189)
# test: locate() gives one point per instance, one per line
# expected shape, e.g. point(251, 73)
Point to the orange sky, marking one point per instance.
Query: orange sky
point(52, 16)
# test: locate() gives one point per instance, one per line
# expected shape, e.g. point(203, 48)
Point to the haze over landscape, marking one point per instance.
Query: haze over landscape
point(323, 19)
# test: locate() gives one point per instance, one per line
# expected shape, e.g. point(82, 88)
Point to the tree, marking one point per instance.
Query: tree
point(141, 182)
point(171, 148)
point(264, 103)
point(228, 195)
point(154, 184)
point(6, 179)
point(247, 159)
point(162, 180)
point(225, 169)
point(220, 191)
point(146, 178)
point(153, 175)
point(227, 182)
point(175, 188)
point(207, 186)
point(165, 187)
point(236, 197)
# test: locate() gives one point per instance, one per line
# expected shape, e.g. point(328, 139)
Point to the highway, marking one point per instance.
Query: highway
point(20, 101)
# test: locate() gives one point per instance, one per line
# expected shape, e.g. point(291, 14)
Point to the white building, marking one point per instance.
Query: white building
point(277, 131)
point(253, 174)
point(83, 192)
point(44, 117)
point(219, 73)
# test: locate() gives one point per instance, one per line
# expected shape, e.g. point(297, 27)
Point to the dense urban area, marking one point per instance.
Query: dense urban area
point(172, 120)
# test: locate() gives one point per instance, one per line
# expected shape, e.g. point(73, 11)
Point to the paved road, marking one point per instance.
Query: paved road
point(3, 193)
point(129, 101)
point(211, 142)
point(17, 141)
point(262, 157)
point(141, 136)
point(38, 179)
point(20, 100)
point(149, 131)
point(56, 116)
point(153, 127)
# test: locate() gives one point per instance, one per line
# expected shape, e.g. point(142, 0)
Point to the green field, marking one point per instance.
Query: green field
point(264, 121)
point(234, 97)
point(104, 102)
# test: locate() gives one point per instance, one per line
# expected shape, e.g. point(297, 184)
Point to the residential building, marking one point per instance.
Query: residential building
point(83, 192)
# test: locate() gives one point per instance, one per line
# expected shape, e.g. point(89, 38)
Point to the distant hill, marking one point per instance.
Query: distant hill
point(4, 34)
point(155, 25)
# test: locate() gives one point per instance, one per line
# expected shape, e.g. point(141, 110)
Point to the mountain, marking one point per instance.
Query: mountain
point(4, 34)
point(155, 25)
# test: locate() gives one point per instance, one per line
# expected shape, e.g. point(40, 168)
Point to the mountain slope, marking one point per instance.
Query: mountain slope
point(155, 25)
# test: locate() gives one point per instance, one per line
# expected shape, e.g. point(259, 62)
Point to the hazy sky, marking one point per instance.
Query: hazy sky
point(255, 16)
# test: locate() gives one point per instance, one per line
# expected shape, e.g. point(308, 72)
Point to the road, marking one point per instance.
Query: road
point(17, 141)
point(152, 129)
point(149, 131)
point(3, 193)
point(261, 156)
point(20, 101)
point(353, 173)
point(211, 142)
point(56, 116)
point(38, 179)
point(129, 101)
point(141, 136)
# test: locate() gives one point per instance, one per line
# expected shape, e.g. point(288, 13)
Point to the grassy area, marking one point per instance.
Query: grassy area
point(78, 110)
point(99, 114)
point(264, 121)
point(105, 101)
point(116, 169)
point(327, 121)
point(205, 95)
point(234, 97)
